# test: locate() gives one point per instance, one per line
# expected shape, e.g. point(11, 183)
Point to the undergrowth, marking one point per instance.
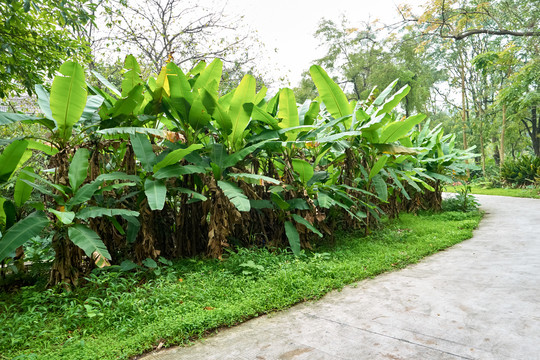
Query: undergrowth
point(123, 314)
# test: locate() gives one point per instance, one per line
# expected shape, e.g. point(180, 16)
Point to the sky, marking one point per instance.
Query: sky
point(286, 27)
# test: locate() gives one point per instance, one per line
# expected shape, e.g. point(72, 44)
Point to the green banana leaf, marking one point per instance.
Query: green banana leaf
point(156, 193)
point(66, 217)
point(380, 187)
point(22, 190)
point(244, 93)
point(143, 150)
point(398, 129)
point(210, 77)
point(78, 170)
point(175, 156)
point(68, 98)
point(44, 101)
point(93, 212)
point(10, 159)
point(21, 232)
point(132, 75)
point(293, 237)
point(331, 94)
point(288, 111)
point(107, 83)
point(235, 195)
point(378, 166)
point(303, 169)
point(88, 241)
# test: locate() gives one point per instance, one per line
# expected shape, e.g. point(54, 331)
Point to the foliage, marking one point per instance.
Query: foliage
point(458, 20)
point(463, 201)
point(35, 39)
point(522, 171)
point(357, 57)
point(171, 165)
point(487, 51)
point(120, 315)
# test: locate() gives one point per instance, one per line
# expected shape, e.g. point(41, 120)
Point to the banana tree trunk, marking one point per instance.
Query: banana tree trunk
point(68, 262)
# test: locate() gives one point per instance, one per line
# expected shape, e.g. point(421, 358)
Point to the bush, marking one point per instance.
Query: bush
point(522, 171)
point(463, 201)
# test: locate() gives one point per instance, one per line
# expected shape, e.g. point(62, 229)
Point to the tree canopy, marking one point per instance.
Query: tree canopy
point(36, 36)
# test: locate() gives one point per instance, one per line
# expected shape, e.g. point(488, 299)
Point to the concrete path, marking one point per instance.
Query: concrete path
point(477, 300)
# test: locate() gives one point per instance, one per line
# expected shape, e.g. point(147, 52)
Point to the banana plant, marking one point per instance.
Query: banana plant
point(373, 144)
point(157, 169)
point(125, 107)
point(11, 159)
point(69, 214)
point(67, 105)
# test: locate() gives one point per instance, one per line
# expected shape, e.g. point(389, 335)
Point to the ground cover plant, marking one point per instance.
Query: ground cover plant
point(171, 166)
point(119, 314)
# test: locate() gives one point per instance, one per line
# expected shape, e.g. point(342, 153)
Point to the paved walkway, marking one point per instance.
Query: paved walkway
point(478, 300)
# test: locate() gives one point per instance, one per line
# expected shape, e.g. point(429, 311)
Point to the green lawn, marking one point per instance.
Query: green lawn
point(119, 315)
point(525, 193)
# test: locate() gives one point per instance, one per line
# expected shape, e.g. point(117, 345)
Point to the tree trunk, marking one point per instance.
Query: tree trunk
point(482, 147)
point(463, 104)
point(535, 120)
point(68, 263)
point(501, 146)
point(533, 130)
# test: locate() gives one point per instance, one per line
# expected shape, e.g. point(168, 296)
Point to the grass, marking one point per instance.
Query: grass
point(479, 190)
point(120, 315)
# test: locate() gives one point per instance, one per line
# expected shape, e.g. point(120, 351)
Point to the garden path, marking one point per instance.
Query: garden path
point(477, 300)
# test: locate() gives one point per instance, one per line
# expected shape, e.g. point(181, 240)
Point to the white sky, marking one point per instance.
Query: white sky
point(287, 26)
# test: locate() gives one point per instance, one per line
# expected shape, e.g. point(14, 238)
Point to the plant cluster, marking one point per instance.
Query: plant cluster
point(173, 167)
point(522, 171)
point(463, 201)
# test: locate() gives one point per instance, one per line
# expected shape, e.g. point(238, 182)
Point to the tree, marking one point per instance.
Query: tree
point(353, 54)
point(482, 30)
point(361, 61)
point(180, 30)
point(306, 89)
point(36, 37)
point(522, 97)
point(459, 19)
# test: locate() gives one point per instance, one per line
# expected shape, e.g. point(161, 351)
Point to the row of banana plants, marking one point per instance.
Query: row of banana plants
point(173, 167)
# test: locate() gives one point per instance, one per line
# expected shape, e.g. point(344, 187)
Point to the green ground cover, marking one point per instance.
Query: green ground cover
point(533, 193)
point(119, 314)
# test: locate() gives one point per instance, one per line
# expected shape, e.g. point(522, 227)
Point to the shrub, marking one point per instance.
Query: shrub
point(463, 201)
point(521, 171)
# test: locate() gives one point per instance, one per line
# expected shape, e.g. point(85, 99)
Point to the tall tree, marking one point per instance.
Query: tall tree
point(522, 96)
point(469, 28)
point(179, 30)
point(36, 36)
point(353, 54)
point(459, 19)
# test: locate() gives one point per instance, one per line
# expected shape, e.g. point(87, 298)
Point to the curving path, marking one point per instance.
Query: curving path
point(478, 300)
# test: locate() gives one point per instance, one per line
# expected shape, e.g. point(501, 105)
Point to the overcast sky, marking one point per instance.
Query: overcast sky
point(286, 27)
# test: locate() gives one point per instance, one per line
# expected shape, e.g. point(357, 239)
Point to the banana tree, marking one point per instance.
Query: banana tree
point(68, 215)
point(67, 105)
point(11, 159)
point(374, 145)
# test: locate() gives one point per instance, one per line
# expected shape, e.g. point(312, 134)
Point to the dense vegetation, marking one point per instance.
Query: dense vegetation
point(172, 167)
